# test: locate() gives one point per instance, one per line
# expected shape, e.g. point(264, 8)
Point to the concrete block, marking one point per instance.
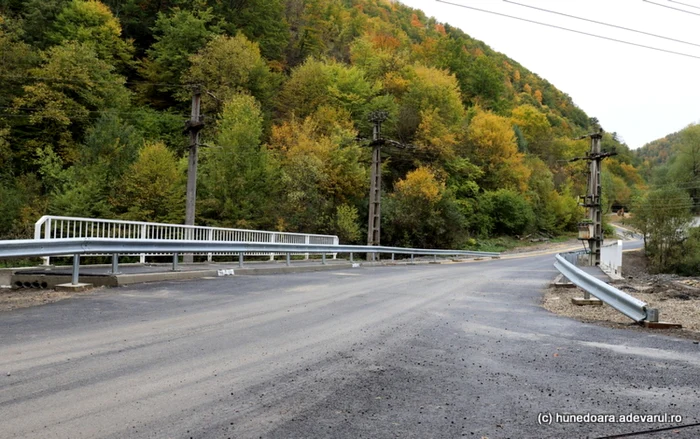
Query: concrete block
point(580, 301)
point(661, 325)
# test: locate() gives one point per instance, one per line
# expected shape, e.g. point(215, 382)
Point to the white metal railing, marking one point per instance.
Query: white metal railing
point(611, 258)
point(62, 227)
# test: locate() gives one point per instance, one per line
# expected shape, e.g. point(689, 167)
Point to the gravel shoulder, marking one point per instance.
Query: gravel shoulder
point(676, 297)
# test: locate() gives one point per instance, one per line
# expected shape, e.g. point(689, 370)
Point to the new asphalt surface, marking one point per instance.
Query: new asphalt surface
point(431, 351)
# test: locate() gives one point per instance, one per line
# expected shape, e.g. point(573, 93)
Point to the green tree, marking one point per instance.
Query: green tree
point(178, 35)
point(662, 216)
point(326, 83)
point(70, 86)
point(227, 66)
point(91, 22)
point(421, 212)
point(510, 212)
point(238, 176)
point(153, 187)
point(685, 166)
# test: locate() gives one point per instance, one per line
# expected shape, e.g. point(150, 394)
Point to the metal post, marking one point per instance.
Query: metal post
point(351, 258)
point(411, 258)
point(289, 260)
point(240, 260)
point(192, 126)
point(323, 258)
point(76, 269)
point(175, 258)
point(435, 258)
point(392, 256)
point(115, 263)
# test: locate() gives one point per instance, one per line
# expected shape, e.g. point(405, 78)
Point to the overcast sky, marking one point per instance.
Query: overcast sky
point(639, 93)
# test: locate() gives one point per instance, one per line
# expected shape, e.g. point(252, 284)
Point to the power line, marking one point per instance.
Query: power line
point(685, 4)
point(571, 30)
point(670, 7)
point(602, 23)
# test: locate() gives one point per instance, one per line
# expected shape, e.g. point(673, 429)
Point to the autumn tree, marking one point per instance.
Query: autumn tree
point(322, 168)
point(491, 142)
point(422, 213)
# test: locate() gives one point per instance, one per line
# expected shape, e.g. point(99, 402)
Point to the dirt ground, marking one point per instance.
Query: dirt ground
point(677, 298)
point(26, 297)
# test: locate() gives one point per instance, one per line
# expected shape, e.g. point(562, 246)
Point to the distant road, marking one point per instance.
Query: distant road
point(438, 351)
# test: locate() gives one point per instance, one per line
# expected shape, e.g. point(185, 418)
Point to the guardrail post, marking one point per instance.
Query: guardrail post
point(240, 259)
point(307, 241)
point(336, 241)
point(351, 258)
point(323, 258)
point(392, 256)
point(273, 240)
point(115, 263)
point(47, 235)
point(210, 238)
point(76, 269)
point(175, 257)
point(142, 256)
point(289, 261)
point(435, 258)
point(411, 258)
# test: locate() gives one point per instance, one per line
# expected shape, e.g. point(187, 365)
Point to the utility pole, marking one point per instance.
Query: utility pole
point(375, 190)
point(192, 127)
point(592, 229)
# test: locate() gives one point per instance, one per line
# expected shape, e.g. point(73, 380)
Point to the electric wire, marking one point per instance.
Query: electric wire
point(602, 23)
point(685, 4)
point(671, 7)
point(658, 49)
point(656, 430)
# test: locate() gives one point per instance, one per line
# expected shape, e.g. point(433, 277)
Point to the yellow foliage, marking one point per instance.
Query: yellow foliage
point(538, 96)
point(421, 184)
point(434, 136)
point(494, 147)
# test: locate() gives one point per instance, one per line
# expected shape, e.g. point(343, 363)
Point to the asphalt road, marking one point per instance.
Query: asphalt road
point(438, 351)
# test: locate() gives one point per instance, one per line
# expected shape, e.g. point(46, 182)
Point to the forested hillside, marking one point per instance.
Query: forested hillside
point(95, 95)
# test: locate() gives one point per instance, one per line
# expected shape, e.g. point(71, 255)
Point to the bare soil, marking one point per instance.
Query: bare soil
point(676, 297)
point(26, 297)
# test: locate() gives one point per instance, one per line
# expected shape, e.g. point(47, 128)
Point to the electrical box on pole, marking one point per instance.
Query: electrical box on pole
point(591, 229)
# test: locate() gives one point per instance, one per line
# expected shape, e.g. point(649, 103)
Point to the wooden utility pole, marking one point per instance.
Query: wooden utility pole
point(375, 190)
point(192, 127)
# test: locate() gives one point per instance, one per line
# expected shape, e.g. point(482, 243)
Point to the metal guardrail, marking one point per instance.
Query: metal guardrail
point(115, 247)
point(64, 227)
point(621, 301)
